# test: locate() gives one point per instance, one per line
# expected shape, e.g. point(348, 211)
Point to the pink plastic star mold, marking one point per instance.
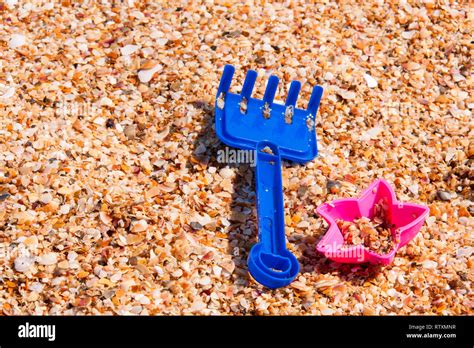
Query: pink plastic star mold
point(406, 220)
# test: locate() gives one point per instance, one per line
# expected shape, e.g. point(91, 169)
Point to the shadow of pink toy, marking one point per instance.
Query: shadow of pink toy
point(406, 219)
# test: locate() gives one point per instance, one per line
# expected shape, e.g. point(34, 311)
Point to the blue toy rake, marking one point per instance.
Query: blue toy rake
point(274, 131)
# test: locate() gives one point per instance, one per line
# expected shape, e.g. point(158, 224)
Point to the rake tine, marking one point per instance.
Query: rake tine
point(226, 79)
point(249, 83)
point(271, 89)
point(293, 93)
point(314, 100)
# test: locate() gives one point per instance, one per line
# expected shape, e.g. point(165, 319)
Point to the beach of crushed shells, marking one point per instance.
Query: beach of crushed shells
point(112, 200)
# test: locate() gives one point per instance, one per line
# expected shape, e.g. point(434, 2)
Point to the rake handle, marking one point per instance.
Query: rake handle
point(270, 206)
point(270, 262)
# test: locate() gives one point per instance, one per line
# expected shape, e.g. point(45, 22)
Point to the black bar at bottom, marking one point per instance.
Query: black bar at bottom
point(104, 330)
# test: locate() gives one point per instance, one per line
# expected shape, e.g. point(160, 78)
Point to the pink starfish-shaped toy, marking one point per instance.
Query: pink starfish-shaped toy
point(406, 220)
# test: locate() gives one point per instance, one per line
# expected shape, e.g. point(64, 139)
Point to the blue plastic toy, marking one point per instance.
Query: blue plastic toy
point(275, 131)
